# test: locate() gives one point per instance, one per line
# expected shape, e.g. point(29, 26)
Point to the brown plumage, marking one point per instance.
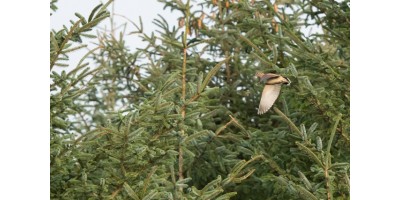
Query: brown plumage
point(271, 90)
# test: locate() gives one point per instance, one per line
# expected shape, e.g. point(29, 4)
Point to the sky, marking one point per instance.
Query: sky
point(148, 10)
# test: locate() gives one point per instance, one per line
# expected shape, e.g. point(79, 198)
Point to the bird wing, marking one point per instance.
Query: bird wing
point(267, 76)
point(268, 97)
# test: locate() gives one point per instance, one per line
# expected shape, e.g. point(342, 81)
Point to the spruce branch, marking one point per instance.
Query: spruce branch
point(54, 57)
point(310, 154)
point(130, 191)
point(237, 124)
point(217, 132)
point(260, 54)
point(329, 157)
point(202, 85)
point(333, 131)
point(147, 181)
point(287, 120)
point(183, 111)
point(305, 194)
point(118, 190)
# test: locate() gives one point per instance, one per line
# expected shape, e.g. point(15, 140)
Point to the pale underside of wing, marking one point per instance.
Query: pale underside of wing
point(268, 97)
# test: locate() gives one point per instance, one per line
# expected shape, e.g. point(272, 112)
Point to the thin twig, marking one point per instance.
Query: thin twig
point(115, 193)
point(183, 111)
point(54, 58)
point(291, 124)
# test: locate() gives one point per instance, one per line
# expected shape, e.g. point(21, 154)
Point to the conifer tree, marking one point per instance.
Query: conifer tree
point(178, 118)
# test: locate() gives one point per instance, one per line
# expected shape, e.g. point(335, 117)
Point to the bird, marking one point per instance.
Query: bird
point(271, 90)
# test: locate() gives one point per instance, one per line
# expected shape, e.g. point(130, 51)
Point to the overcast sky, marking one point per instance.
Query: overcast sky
point(132, 9)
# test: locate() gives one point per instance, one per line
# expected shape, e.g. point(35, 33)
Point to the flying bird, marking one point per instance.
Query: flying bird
point(271, 90)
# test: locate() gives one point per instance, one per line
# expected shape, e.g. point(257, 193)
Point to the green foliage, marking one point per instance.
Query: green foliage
point(178, 119)
point(53, 6)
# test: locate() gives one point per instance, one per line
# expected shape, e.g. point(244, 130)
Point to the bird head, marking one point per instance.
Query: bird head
point(288, 82)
